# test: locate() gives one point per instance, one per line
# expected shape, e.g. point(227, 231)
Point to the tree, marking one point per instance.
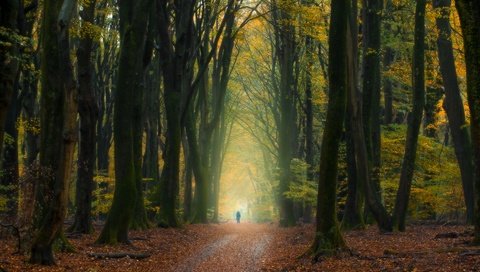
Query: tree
point(353, 214)
point(469, 13)
point(328, 238)
point(175, 60)
point(133, 29)
point(453, 104)
point(87, 110)
point(286, 53)
point(371, 111)
point(372, 15)
point(58, 123)
point(415, 119)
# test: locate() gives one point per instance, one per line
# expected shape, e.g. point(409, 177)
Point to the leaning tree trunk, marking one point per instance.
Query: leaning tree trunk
point(87, 110)
point(328, 238)
point(469, 13)
point(133, 28)
point(454, 105)
point(415, 119)
point(59, 128)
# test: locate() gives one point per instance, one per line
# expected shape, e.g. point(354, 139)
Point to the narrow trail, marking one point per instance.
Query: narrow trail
point(240, 247)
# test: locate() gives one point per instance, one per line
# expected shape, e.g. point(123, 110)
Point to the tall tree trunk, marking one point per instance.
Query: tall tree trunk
point(469, 13)
point(328, 238)
point(133, 30)
point(87, 110)
point(59, 128)
point(415, 119)
point(285, 49)
point(353, 215)
point(371, 87)
point(140, 220)
point(309, 140)
point(151, 161)
point(175, 58)
point(29, 107)
point(454, 105)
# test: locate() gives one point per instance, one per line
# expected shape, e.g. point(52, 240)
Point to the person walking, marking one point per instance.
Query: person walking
point(238, 215)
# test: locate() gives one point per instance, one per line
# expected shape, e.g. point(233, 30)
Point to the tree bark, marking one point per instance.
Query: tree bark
point(453, 105)
point(59, 128)
point(175, 58)
point(353, 214)
point(415, 119)
point(469, 13)
point(371, 88)
point(140, 220)
point(133, 29)
point(285, 49)
point(87, 110)
point(328, 239)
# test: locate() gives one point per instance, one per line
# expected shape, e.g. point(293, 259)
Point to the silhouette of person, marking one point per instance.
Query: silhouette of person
point(238, 215)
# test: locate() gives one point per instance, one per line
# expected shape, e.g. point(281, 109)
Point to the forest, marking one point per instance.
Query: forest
point(239, 135)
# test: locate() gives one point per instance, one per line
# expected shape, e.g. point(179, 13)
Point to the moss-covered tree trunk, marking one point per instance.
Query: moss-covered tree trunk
point(133, 29)
point(87, 110)
point(59, 128)
point(414, 119)
point(453, 105)
point(469, 12)
point(328, 238)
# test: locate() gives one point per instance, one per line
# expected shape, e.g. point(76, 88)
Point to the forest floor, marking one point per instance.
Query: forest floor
point(264, 247)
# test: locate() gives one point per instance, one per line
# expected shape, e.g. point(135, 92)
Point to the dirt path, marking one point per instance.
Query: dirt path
point(240, 247)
